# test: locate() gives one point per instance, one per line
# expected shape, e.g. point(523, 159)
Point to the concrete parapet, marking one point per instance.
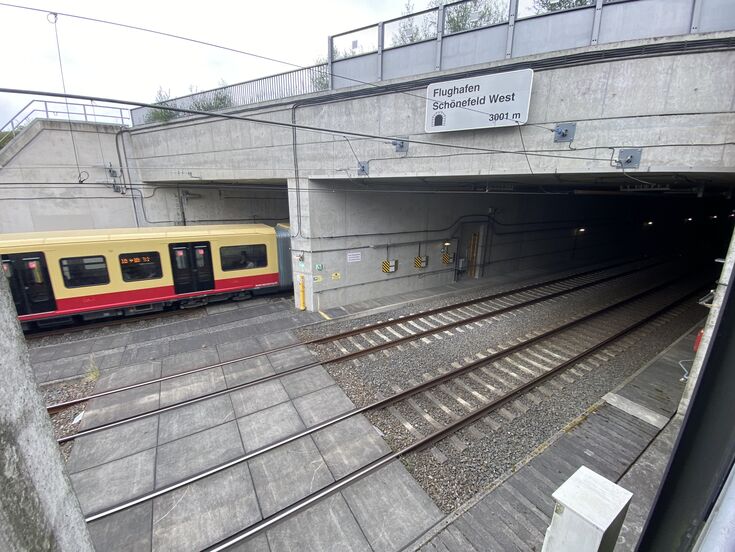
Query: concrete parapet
point(38, 510)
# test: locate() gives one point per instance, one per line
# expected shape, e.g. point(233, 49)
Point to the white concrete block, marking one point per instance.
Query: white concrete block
point(588, 515)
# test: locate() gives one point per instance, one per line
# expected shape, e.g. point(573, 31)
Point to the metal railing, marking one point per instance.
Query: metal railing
point(457, 17)
point(274, 87)
point(46, 109)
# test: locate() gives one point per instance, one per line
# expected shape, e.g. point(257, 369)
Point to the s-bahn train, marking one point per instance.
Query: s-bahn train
point(57, 277)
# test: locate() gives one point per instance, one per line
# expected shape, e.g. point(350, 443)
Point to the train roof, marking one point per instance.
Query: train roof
point(120, 234)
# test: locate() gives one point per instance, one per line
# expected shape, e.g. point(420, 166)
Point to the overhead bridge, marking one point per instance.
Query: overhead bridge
point(620, 141)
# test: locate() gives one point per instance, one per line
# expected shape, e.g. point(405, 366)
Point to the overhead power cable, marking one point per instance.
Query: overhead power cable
point(282, 124)
point(226, 48)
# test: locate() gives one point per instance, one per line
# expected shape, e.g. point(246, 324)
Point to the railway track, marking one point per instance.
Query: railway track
point(405, 329)
point(416, 325)
point(544, 356)
point(171, 312)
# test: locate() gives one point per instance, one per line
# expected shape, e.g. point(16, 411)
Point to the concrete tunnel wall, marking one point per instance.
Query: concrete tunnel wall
point(527, 231)
point(39, 188)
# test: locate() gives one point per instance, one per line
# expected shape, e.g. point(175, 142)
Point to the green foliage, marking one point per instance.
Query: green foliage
point(457, 18)
point(474, 14)
point(413, 29)
point(319, 75)
point(5, 138)
point(546, 6)
point(162, 115)
point(214, 100)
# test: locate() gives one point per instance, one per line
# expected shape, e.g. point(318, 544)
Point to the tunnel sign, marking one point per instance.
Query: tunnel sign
point(488, 101)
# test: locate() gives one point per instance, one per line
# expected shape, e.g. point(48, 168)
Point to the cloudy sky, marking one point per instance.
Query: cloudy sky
point(102, 60)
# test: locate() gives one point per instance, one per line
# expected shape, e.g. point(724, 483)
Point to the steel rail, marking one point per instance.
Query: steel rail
point(340, 358)
point(370, 327)
point(430, 439)
point(381, 403)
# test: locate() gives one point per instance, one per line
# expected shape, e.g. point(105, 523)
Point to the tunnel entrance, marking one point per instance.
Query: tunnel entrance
point(389, 236)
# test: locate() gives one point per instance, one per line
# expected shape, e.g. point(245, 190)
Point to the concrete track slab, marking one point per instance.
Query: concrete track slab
point(291, 358)
point(121, 376)
point(322, 405)
point(245, 371)
point(126, 531)
point(238, 349)
point(121, 405)
point(205, 512)
point(194, 418)
point(179, 362)
point(112, 444)
point(288, 473)
point(269, 425)
point(281, 339)
point(349, 445)
point(105, 485)
point(189, 455)
point(306, 381)
point(191, 386)
point(257, 397)
point(328, 526)
point(391, 508)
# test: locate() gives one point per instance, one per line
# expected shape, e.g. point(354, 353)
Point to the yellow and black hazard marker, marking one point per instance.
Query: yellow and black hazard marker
point(390, 266)
point(448, 258)
point(420, 262)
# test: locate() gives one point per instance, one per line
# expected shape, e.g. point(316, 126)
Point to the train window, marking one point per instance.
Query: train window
point(84, 271)
point(241, 257)
point(140, 266)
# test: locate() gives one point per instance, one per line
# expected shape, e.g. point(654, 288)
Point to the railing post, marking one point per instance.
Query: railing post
point(45, 106)
point(330, 60)
point(381, 45)
point(439, 36)
point(512, 13)
point(84, 109)
point(596, 23)
point(696, 15)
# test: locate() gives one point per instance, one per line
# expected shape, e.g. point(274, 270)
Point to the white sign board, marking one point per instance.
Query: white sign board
point(480, 102)
point(354, 256)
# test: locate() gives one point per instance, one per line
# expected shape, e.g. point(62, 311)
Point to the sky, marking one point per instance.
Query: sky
point(101, 60)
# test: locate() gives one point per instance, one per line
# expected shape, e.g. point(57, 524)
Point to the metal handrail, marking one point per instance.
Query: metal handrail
point(306, 80)
point(47, 109)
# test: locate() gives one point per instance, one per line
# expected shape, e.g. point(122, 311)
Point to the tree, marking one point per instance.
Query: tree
point(410, 31)
point(474, 14)
point(163, 97)
point(457, 18)
point(546, 6)
point(319, 75)
point(214, 100)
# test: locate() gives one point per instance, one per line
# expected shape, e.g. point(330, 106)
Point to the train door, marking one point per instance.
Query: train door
point(27, 274)
point(192, 266)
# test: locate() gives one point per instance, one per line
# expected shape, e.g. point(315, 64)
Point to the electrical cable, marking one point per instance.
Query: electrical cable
point(52, 18)
point(229, 49)
point(281, 124)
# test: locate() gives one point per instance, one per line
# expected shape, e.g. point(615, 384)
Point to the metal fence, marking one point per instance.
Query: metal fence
point(457, 34)
point(274, 87)
point(46, 109)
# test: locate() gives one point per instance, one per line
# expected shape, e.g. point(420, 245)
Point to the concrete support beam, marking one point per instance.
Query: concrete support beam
point(38, 510)
point(589, 514)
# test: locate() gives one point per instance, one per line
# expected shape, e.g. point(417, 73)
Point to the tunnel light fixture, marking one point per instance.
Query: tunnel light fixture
point(579, 231)
point(648, 223)
point(688, 219)
point(713, 217)
point(447, 244)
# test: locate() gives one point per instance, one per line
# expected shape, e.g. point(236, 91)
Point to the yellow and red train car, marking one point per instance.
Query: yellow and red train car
point(59, 276)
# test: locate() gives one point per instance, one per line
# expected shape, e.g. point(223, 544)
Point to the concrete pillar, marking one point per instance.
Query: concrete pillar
point(588, 515)
point(709, 326)
point(38, 510)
